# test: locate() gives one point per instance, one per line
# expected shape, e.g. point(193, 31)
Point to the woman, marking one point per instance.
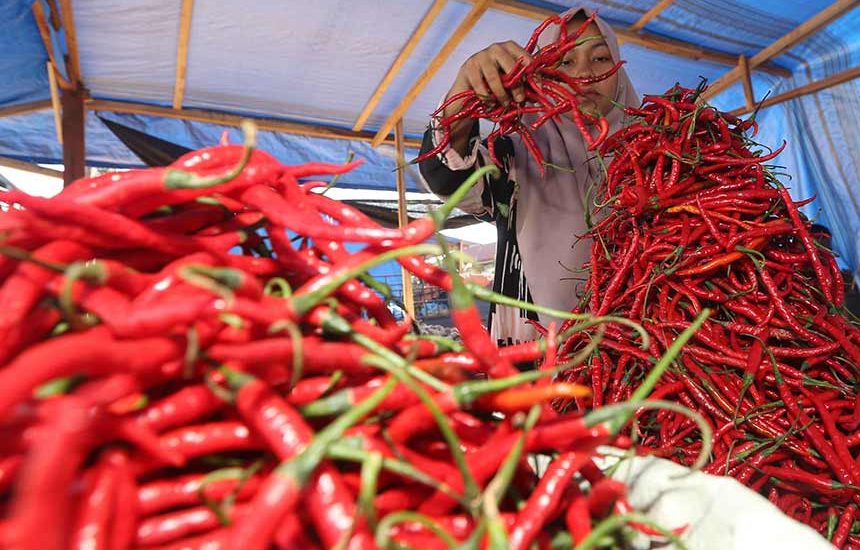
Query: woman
point(538, 218)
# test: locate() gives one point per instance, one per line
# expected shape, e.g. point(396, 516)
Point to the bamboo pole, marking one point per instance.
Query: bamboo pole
point(182, 52)
point(651, 14)
point(402, 217)
point(749, 96)
point(55, 101)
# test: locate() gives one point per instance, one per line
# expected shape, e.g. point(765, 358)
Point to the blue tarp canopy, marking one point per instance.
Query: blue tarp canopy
point(319, 62)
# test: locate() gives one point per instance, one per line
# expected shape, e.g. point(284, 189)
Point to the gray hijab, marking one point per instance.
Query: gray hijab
point(551, 210)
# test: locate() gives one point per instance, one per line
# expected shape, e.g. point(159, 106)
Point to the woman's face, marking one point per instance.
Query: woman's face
point(591, 58)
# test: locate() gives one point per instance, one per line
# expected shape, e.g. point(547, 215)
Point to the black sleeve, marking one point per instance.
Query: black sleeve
point(441, 179)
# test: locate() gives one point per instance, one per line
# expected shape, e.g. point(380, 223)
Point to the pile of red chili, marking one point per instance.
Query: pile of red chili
point(191, 358)
point(549, 93)
point(693, 217)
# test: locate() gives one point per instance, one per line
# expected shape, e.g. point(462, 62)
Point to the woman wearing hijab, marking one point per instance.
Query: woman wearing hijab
point(538, 218)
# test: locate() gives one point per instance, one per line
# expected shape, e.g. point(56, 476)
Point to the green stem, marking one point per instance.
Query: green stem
point(612, 413)
point(180, 179)
point(397, 370)
point(613, 523)
point(466, 392)
point(669, 357)
point(588, 320)
point(370, 468)
point(400, 363)
point(303, 465)
point(498, 486)
point(302, 303)
point(383, 539)
point(351, 449)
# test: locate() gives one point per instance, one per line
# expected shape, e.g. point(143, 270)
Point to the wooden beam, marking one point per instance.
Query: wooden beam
point(787, 41)
point(45, 33)
point(478, 9)
point(650, 14)
point(749, 96)
point(811, 88)
point(74, 149)
point(55, 101)
point(264, 124)
point(182, 53)
point(25, 108)
point(73, 63)
point(401, 58)
point(55, 15)
point(402, 218)
point(29, 167)
point(644, 39)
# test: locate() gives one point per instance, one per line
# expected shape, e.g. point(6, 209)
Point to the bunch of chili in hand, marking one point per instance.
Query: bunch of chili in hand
point(548, 93)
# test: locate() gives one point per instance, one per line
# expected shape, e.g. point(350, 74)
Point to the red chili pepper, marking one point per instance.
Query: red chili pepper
point(542, 505)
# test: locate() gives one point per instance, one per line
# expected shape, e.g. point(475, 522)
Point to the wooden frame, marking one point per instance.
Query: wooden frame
point(265, 124)
point(643, 39)
point(45, 33)
point(806, 29)
point(29, 167)
point(650, 14)
point(811, 88)
point(25, 108)
point(55, 101)
point(402, 217)
point(749, 96)
point(478, 9)
point(398, 63)
point(73, 65)
point(182, 52)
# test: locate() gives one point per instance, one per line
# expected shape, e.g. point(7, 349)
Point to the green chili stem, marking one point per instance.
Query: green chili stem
point(180, 179)
point(613, 523)
point(302, 466)
point(303, 303)
point(350, 449)
point(370, 468)
point(397, 370)
point(383, 539)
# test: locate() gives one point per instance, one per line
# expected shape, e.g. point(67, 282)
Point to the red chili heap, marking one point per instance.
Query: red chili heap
point(695, 219)
point(549, 93)
point(192, 359)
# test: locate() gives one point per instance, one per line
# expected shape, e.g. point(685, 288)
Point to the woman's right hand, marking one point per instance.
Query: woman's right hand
point(483, 73)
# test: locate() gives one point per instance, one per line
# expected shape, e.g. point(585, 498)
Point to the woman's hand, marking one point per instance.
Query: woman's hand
point(483, 73)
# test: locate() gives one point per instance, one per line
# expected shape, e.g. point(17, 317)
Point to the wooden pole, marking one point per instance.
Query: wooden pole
point(402, 217)
point(404, 54)
point(182, 53)
point(749, 96)
point(55, 102)
point(460, 32)
point(650, 14)
point(74, 157)
point(808, 28)
point(811, 88)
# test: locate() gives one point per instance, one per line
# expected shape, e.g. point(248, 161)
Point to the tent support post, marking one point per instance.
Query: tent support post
point(74, 157)
point(402, 218)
